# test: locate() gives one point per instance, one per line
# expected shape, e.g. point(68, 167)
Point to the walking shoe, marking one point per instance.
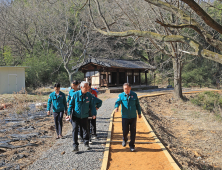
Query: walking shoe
point(87, 147)
point(132, 149)
point(61, 137)
point(90, 141)
point(76, 149)
point(124, 143)
point(94, 137)
point(81, 140)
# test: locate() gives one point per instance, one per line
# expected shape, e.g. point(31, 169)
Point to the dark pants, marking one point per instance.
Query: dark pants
point(58, 122)
point(80, 132)
point(129, 124)
point(92, 128)
point(92, 124)
point(83, 123)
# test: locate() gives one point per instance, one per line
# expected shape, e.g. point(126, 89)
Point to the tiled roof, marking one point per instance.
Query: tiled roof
point(134, 64)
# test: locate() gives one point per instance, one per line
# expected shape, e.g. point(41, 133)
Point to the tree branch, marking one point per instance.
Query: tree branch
point(100, 14)
point(83, 6)
point(198, 49)
point(186, 18)
point(135, 25)
point(207, 19)
point(180, 26)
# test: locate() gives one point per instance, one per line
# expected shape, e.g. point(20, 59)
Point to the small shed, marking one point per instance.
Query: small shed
point(103, 72)
point(12, 79)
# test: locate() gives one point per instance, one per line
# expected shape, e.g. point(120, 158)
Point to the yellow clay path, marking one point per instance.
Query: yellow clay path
point(148, 154)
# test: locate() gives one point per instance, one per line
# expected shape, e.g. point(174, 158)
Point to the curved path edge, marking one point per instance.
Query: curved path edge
point(167, 154)
point(108, 142)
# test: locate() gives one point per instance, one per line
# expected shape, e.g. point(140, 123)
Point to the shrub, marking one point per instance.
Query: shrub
point(209, 100)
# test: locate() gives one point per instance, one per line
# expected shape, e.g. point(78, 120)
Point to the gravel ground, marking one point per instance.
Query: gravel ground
point(60, 155)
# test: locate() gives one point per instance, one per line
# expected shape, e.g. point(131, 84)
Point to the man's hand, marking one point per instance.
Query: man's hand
point(93, 117)
point(48, 112)
point(97, 108)
point(140, 116)
point(117, 109)
point(68, 117)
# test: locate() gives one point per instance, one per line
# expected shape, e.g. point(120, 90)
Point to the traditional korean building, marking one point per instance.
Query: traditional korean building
point(103, 72)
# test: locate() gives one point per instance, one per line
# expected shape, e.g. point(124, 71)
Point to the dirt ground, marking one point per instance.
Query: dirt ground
point(191, 134)
point(25, 156)
point(44, 127)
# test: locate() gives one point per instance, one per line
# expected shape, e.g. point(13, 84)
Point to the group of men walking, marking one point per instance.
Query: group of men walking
point(81, 109)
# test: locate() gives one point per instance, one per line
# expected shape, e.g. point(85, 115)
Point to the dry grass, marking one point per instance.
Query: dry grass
point(191, 133)
point(20, 101)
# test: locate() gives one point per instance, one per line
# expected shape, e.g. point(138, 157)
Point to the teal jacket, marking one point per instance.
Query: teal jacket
point(81, 105)
point(97, 103)
point(71, 92)
point(129, 105)
point(58, 102)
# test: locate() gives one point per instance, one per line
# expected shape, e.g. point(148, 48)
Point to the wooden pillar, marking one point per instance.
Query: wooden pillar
point(133, 76)
point(100, 78)
point(117, 76)
point(139, 77)
point(84, 75)
point(146, 77)
point(125, 76)
point(107, 79)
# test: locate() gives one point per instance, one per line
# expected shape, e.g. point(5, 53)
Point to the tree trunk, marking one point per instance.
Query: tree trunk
point(69, 73)
point(177, 68)
point(70, 77)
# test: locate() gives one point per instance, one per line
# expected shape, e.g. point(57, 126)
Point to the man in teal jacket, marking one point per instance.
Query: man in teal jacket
point(92, 122)
point(58, 101)
point(74, 88)
point(129, 106)
point(81, 102)
point(98, 104)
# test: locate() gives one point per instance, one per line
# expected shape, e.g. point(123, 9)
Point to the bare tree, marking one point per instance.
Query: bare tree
point(49, 24)
point(171, 26)
point(62, 28)
point(18, 21)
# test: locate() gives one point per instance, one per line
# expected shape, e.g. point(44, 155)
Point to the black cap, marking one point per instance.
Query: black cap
point(57, 85)
point(76, 82)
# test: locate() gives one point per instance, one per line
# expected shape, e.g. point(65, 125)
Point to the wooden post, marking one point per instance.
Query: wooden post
point(146, 77)
point(99, 78)
point(125, 76)
point(139, 77)
point(117, 76)
point(154, 76)
point(84, 75)
point(107, 79)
